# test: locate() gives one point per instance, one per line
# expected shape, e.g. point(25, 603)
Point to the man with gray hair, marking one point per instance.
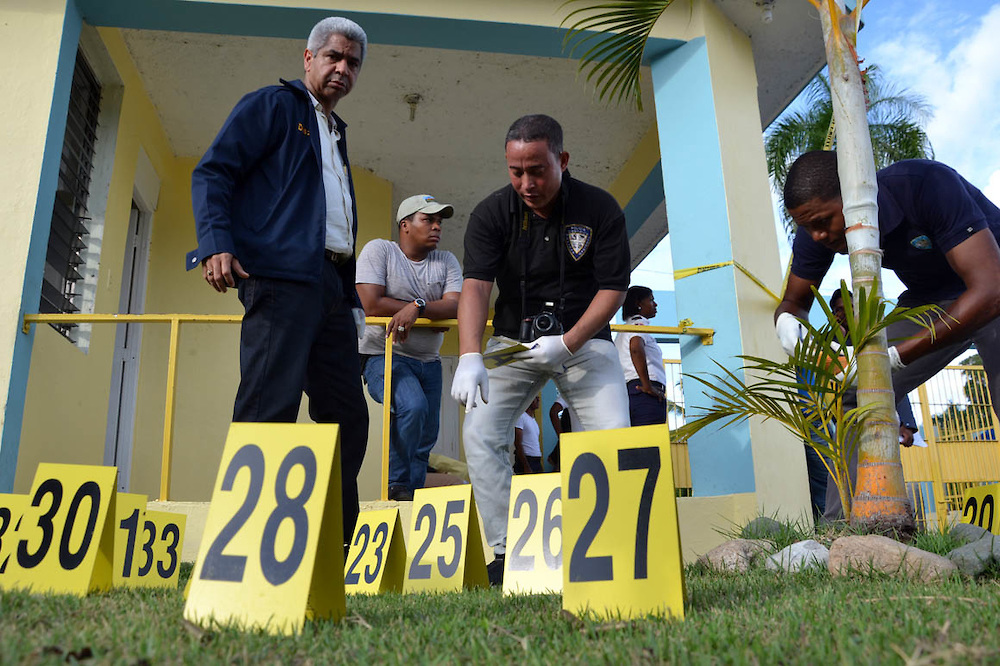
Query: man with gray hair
point(276, 219)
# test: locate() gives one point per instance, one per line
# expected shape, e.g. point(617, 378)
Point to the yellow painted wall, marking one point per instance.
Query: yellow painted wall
point(67, 394)
point(30, 35)
point(644, 159)
point(67, 399)
point(66, 406)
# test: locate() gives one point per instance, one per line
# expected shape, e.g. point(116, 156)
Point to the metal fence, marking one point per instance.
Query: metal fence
point(957, 420)
point(675, 417)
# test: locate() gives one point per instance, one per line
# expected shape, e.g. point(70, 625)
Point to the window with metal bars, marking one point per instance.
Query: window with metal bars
point(62, 279)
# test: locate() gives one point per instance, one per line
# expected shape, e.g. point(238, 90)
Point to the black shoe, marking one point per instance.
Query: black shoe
point(494, 571)
point(400, 494)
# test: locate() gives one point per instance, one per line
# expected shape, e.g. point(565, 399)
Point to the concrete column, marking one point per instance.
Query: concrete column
point(38, 43)
point(719, 210)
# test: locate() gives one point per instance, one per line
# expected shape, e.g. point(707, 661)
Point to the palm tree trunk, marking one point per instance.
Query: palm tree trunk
point(880, 501)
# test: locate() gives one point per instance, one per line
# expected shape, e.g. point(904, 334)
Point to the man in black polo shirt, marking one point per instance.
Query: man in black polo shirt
point(558, 248)
point(938, 234)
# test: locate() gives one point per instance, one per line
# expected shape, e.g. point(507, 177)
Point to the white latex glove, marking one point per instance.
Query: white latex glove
point(470, 375)
point(790, 330)
point(852, 379)
point(548, 352)
point(359, 321)
point(895, 362)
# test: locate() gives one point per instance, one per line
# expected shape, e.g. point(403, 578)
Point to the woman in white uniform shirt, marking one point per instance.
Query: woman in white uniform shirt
point(642, 360)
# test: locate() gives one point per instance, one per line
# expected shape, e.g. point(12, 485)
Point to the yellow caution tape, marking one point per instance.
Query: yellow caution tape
point(831, 132)
point(688, 272)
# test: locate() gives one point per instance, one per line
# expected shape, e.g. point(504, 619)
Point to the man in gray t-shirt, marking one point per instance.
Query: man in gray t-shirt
point(405, 281)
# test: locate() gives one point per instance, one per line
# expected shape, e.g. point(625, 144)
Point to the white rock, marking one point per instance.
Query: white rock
point(799, 556)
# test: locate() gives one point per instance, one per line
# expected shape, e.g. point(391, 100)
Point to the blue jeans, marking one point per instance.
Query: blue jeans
point(416, 414)
point(817, 478)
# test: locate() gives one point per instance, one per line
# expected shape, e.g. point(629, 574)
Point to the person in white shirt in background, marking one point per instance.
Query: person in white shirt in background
point(527, 444)
point(642, 360)
point(563, 420)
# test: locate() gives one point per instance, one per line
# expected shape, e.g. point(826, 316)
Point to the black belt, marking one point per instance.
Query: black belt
point(633, 383)
point(338, 258)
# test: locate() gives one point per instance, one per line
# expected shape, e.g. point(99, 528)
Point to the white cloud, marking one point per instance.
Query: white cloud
point(992, 189)
point(952, 61)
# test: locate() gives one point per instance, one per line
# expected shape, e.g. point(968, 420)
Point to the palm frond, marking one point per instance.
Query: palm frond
point(899, 139)
point(614, 35)
point(805, 393)
point(896, 118)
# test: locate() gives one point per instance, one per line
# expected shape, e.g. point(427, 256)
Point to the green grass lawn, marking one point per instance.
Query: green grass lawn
point(758, 617)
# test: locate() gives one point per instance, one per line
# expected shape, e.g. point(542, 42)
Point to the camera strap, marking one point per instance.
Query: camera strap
point(524, 241)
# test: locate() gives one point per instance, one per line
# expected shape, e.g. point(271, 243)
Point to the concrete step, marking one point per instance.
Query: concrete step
point(197, 514)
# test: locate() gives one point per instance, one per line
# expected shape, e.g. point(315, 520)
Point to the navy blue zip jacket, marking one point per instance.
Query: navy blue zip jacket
point(258, 191)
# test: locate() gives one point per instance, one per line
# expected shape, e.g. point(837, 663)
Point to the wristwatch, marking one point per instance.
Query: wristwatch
point(421, 304)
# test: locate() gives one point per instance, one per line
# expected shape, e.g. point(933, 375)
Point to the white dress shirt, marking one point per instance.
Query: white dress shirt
point(336, 186)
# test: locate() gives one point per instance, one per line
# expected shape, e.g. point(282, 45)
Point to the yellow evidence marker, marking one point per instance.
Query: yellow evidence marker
point(65, 543)
point(377, 560)
point(445, 552)
point(979, 507)
point(273, 548)
point(129, 511)
point(159, 557)
point(534, 526)
point(621, 541)
point(12, 507)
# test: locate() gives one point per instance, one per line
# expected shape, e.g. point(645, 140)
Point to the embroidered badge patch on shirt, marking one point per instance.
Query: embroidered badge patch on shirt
point(578, 240)
point(922, 243)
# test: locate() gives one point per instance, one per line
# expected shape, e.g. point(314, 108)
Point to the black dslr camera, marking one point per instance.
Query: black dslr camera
point(544, 323)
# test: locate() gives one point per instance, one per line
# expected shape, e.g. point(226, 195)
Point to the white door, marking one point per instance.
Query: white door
point(125, 371)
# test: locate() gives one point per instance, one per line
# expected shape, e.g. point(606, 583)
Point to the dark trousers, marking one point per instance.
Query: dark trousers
point(817, 480)
point(300, 337)
point(534, 465)
point(644, 409)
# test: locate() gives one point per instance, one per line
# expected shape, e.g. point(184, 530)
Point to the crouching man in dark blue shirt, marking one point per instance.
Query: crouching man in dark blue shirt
point(276, 218)
point(939, 235)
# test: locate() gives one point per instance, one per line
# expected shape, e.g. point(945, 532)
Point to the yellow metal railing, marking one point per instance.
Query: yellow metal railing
point(684, 328)
point(960, 426)
point(175, 321)
point(958, 422)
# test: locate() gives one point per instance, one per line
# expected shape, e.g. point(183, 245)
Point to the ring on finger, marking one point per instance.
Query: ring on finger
point(401, 329)
point(210, 274)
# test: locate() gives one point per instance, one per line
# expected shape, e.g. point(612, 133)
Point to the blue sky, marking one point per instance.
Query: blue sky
point(949, 52)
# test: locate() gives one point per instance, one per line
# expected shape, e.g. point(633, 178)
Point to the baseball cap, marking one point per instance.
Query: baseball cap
point(422, 203)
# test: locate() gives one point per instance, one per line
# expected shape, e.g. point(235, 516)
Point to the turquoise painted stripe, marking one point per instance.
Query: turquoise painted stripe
point(549, 437)
point(645, 200)
point(722, 461)
point(31, 288)
point(689, 146)
point(288, 22)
